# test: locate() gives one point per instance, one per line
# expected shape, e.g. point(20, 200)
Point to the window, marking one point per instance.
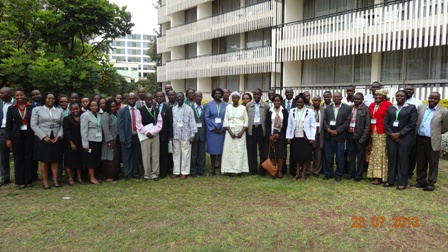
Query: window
point(417, 64)
point(138, 44)
point(129, 36)
point(318, 8)
point(145, 37)
point(439, 62)
point(391, 66)
point(223, 6)
point(191, 83)
point(345, 70)
point(226, 44)
point(191, 15)
point(258, 38)
point(145, 52)
point(118, 43)
point(113, 43)
point(129, 51)
point(129, 44)
point(191, 50)
point(261, 80)
point(138, 36)
point(252, 2)
point(231, 82)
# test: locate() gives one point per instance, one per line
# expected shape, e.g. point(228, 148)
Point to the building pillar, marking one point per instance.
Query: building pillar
point(292, 73)
point(376, 67)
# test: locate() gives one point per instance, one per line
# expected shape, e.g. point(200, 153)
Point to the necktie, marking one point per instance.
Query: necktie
point(134, 126)
point(288, 107)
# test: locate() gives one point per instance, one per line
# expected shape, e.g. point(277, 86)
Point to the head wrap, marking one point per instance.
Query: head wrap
point(384, 92)
point(235, 93)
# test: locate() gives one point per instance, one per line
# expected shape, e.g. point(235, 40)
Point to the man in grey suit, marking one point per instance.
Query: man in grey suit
point(431, 124)
point(6, 100)
point(336, 123)
point(256, 110)
point(130, 144)
point(198, 146)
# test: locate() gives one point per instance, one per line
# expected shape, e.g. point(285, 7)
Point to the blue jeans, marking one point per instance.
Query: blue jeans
point(332, 147)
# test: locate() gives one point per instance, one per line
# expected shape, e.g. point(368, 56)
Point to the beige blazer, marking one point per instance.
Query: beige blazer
point(439, 125)
point(264, 108)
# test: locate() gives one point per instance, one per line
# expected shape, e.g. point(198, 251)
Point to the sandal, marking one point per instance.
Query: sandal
point(71, 182)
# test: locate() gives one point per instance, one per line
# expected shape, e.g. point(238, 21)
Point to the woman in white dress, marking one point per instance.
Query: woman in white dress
point(234, 156)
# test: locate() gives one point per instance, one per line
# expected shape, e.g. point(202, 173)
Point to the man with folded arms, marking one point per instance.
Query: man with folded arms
point(183, 130)
point(432, 123)
point(149, 123)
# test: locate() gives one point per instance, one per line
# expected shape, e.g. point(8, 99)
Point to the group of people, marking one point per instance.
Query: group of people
point(174, 131)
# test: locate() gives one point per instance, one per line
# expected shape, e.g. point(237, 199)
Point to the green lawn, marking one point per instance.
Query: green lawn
point(223, 214)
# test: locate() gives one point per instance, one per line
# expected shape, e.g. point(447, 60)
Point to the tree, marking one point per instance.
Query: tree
point(152, 50)
point(150, 84)
point(60, 45)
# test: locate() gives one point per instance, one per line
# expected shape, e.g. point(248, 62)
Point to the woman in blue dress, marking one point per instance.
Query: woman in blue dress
point(214, 118)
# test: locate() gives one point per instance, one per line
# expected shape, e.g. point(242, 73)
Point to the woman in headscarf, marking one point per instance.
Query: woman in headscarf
point(378, 157)
point(234, 157)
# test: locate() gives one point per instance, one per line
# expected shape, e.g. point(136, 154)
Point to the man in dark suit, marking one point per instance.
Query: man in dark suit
point(165, 110)
point(336, 123)
point(36, 96)
point(431, 124)
point(288, 104)
point(5, 101)
point(130, 144)
point(318, 145)
point(198, 146)
point(357, 137)
point(141, 98)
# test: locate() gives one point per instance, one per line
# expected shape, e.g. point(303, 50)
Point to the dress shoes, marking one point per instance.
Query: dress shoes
point(419, 185)
point(174, 176)
point(183, 177)
point(155, 179)
point(357, 179)
point(387, 185)
point(316, 175)
point(338, 179)
point(429, 188)
point(349, 177)
point(5, 182)
point(328, 177)
point(399, 188)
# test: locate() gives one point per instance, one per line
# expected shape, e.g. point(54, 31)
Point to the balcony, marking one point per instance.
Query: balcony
point(162, 17)
point(405, 25)
point(161, 73)
point(249, 61)
point(161, 45)
point(249, 18)
point(179, 5)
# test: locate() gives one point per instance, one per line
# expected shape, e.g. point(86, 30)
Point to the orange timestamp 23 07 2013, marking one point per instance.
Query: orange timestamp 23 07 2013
point(381, 221)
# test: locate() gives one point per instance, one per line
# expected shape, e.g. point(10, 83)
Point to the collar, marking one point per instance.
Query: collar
point(435, 108)
point(130, 108)
point(196, 105)
point(150, 109)
point(53, 108)
point(17, 105)
point(273, 109)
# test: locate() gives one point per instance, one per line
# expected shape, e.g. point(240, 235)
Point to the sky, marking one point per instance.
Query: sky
point(144, 15)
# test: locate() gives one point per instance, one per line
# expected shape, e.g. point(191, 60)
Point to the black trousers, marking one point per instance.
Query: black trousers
point(398, 154)
point(356, 156)
point(22, 147)
point(425, 156)
point(4, 156)
point(412, 160)
point(253, 141)
point(131, 158)
point(163, 159)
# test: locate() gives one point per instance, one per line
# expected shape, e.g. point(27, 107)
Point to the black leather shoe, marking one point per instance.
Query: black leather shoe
point(328, 177)
point(349, 177)
point(5, 182)
point(387, 185)
point(429, 188)
point(338, 179)
point(156, 179)
point(419, 185)
point(401, 188)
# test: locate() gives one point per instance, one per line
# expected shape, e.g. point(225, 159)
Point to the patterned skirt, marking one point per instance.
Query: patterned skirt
point(378, 158)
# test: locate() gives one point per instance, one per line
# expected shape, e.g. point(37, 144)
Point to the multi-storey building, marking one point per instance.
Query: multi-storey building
point(312, 44)
point(129, 55)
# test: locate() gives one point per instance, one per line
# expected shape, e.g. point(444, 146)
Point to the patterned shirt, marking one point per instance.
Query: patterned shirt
point(184, 124)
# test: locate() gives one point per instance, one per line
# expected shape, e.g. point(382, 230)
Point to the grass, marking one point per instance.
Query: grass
point(222, 214)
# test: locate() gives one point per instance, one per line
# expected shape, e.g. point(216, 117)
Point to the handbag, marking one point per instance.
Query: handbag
point(268, 165)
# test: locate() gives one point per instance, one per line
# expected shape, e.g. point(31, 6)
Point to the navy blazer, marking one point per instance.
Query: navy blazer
point(167, 122)
point(125, 125)
point(14, 121)
point(200, 135)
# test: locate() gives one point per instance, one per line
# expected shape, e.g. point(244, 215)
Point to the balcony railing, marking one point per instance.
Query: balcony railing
point(178, 5)
point(161, 73)
point(405, 25)
point(161, 45)
point(162, 17)
point(249, 18)
point(250, 61)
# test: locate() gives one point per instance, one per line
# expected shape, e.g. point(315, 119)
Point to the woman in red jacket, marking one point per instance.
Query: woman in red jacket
point(378, 158)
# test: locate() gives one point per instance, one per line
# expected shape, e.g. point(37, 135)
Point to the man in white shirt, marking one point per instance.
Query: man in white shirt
point(370, 98)
point(350, 94)
point(412, 100)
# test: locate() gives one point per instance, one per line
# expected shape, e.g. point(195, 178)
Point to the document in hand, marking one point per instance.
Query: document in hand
point(143, 137)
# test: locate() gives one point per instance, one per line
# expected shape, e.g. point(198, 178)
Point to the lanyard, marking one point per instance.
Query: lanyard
point(116, 117)
point(336, 111)
point(66, 113)
point(5, 109)
point(354, 112)
point(234, 112)
point(396, 113)
point(218, 108)
point(20, 113)
point(98, 122)
point(179, 114)
point(427, 115)
point(197, 112)
point(153, 113)
point(317, 115)
point(301, 114)
point(375, 109)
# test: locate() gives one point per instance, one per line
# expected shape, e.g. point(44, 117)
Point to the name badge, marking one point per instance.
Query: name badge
point(98, 134)
point(372, 121)
point(23, 127)
point(352, 124)
point(199, 125)
point(218, 120)
point(395, 123)
point(232, 125)
point(180, 125)
point(333, 123)
point(256, 120)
